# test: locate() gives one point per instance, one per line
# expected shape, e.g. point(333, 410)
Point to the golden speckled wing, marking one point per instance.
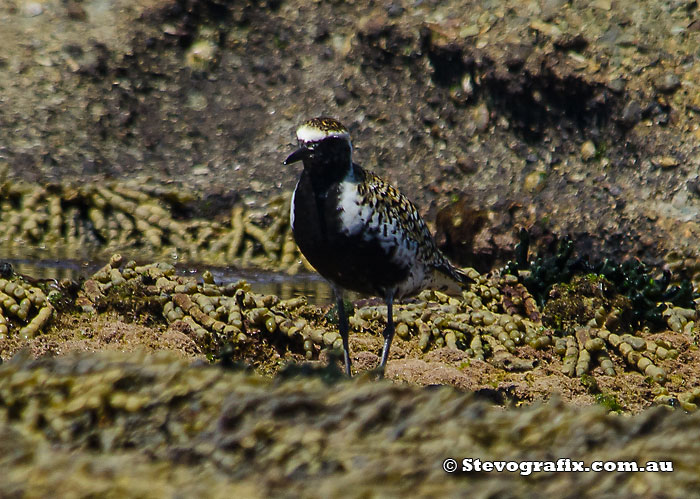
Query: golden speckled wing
point(395, 211)
point(377, 213)
point(395, 206)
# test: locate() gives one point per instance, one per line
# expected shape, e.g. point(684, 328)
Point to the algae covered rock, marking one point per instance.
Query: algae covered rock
point(83, 423)
point(146, 220)
point(586, 328)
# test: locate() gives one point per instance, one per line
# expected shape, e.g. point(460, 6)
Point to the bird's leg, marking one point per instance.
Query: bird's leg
point(388, 332)
point(343, 327)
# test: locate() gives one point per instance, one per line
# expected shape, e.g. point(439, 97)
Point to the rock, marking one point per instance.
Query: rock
point(92, 290)
point(75, 11)
point(568, 41)
point(667, 83)
point(201, 170)
point(631, 114)
point(341, 95)
point(534, 182)
point(467, 86)
point(456, 226)
point(467, 165)
point(550, 30)
point(627, 40)
point(678, 30)
point(664, 162)
point(201, 55)
point(517, 56)
point(197, 101)
point(552, 8)
point(481, 117)
point(395, 10)
point(611, 35)
point(33, 9)
point(588, 150)
point(322, 31)
point(694, 185)
point(617, 85)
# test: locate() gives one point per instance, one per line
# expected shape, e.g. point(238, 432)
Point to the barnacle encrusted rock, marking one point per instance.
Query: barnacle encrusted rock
point(495, 321)
point(137, 424)
point(144, 219)
point(596, 320)
point(23, 307)
point(217, 315)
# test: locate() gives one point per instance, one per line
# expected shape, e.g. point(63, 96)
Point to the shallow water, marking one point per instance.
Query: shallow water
point(312, 286)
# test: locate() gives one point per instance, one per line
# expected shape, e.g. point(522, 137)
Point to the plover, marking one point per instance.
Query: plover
point(359, 232)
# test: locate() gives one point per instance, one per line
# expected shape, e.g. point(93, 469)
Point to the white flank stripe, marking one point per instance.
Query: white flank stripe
point(353, 214)
point(291, 210)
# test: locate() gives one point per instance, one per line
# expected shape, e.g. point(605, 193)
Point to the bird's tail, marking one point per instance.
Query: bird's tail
point(450, 279)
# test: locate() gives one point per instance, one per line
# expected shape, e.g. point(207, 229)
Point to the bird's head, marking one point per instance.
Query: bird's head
point(324, 144)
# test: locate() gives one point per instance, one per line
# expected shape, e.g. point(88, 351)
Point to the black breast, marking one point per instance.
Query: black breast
point(352, 262)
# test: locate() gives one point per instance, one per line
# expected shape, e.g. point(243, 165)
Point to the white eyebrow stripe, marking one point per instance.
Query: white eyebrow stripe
point(307, 133)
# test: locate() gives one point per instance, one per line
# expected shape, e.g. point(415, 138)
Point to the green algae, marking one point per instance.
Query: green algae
point(609, 402)
point(580, 300)
point(548, 276)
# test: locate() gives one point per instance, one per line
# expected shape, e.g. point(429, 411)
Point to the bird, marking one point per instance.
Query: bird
point(360, 233)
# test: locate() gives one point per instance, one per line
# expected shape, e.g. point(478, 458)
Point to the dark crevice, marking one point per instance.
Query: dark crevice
point(534, 101)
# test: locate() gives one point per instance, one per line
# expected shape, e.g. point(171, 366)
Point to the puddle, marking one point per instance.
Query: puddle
point(313, 286)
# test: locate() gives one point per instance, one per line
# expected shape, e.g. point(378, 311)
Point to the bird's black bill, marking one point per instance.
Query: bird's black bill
point(299, 155)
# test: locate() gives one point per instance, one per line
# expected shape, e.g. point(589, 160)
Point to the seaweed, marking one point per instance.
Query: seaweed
point(631, 278)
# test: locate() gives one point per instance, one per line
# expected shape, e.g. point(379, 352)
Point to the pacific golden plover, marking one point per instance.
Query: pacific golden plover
point(359, 232)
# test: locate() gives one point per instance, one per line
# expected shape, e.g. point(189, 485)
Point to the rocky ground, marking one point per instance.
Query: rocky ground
point(575, 118)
